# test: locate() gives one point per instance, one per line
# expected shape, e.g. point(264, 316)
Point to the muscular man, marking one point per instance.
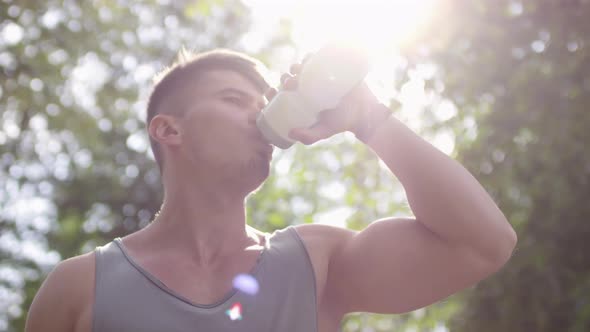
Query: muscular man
point(178, 273)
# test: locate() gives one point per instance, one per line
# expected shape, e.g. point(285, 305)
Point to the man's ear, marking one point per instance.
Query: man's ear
point(165, 129)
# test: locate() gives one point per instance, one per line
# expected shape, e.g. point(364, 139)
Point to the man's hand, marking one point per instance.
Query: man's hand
point(345, 117)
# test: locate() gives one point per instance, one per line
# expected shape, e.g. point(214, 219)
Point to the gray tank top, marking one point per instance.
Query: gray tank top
point(129, 298)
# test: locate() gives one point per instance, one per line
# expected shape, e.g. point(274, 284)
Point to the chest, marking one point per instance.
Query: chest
point(200, 285)
point(209, 286)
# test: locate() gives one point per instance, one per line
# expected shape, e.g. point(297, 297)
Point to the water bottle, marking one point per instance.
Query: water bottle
point(326, 77)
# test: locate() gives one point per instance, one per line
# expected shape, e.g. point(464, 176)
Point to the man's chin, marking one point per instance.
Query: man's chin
point(254, 172)
point(260, 168)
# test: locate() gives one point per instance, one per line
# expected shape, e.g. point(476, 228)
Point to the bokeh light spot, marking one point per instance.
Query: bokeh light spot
point(246, 283)
point(235, 312)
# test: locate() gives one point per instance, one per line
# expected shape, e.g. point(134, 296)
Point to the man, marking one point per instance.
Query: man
point(179, 273)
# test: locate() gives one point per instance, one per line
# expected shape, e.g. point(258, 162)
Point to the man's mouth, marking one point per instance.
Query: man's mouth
point(269, 149)
point(265, 147)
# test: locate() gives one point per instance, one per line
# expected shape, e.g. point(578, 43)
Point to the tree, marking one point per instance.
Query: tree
point(77, 171)
point(75, 163)
point(519, 71)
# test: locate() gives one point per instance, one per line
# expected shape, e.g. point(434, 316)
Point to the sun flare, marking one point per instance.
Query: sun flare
point(382, 28)
point(378, 26)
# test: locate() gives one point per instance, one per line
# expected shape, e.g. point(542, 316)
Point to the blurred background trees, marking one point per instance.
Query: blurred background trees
point(522, 70)
point(508, 81)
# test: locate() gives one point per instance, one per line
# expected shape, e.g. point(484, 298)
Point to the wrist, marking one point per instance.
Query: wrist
point(375, 116)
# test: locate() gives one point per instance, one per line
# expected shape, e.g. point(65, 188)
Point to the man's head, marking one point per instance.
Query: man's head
point(202, 112)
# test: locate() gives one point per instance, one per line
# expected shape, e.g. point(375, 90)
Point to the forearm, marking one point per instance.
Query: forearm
point(443, 195)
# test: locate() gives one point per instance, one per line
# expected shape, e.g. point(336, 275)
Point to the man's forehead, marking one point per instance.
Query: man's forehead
point(214, 81)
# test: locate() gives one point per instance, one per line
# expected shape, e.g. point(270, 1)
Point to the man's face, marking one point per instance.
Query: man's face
point(218, 128)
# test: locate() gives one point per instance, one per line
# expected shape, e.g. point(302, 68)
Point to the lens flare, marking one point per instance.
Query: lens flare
point(235, 312)
point(246, 283)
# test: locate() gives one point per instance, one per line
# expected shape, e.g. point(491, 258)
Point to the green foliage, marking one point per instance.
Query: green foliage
point(75, 167)
point(521, 69)
point(75, 170)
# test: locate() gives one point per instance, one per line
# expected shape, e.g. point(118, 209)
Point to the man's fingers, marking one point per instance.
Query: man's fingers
point(270, 93)
point(288, 82)
point(291, 84)
point(285, 77)
point(295, 68)
point(306, 136)
point(315, 133)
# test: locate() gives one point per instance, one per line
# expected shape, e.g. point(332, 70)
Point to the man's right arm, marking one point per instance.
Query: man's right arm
point(62, 297)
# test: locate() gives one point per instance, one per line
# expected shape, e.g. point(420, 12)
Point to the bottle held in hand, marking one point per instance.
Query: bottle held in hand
point(325, 78)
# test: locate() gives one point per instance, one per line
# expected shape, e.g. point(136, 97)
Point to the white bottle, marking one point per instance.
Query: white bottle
point(325, 78)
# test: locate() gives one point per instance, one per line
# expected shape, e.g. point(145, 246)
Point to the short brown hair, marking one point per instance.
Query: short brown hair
point(189, 67)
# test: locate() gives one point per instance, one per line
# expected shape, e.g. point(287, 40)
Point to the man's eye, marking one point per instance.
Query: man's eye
point(234, 100)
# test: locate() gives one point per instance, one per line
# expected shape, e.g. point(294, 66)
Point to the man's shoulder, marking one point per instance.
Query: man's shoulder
point(84, 263)
point(70, 283)
point(321, 242)
point(323, 237)
point(77, 273)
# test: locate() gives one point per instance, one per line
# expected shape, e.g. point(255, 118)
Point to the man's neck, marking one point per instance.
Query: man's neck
point(206, 225)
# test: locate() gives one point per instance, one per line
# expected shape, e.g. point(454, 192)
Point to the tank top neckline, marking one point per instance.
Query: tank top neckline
point(231, 294)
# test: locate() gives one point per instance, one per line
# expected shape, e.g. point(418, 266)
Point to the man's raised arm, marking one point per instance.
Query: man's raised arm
point(459, 235)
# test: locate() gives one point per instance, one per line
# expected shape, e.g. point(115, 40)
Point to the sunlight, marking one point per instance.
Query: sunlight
point(381, 28)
